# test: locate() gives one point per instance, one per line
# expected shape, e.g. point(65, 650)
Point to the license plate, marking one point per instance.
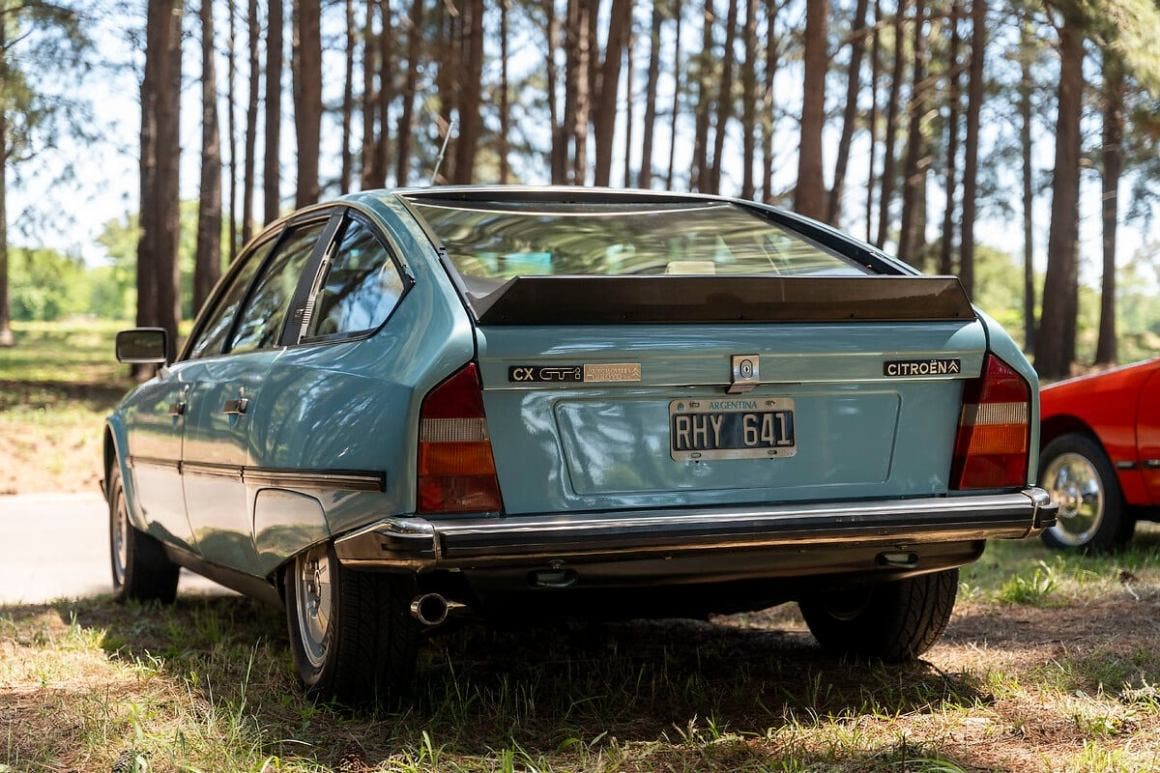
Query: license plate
point(745, 428)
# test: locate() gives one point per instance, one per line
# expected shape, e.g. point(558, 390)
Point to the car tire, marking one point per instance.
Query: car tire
point(141, 569)
point(352, 634)
point(1077, 474)
point(894, 621)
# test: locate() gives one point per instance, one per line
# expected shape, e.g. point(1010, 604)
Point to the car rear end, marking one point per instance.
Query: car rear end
point(682, 404)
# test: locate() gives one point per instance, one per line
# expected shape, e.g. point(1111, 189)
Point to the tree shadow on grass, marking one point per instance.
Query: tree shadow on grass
point(541, 690)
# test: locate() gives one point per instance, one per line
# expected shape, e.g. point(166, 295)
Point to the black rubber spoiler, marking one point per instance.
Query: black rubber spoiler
point(609, 300)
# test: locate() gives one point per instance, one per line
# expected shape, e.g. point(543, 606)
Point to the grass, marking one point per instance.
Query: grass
point(1050, 663)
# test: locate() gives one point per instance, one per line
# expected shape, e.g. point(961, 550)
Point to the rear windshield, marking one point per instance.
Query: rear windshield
point(491, 242)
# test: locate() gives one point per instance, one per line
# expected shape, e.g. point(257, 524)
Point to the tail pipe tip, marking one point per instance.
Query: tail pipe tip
point(433, 609)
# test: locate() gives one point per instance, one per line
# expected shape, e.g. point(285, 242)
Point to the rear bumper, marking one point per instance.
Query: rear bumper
point(420, 544)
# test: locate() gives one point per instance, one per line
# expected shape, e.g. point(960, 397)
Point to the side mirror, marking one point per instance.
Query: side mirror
point(143, 345)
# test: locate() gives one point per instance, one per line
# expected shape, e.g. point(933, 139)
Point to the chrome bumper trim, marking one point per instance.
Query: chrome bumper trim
point(419, 543)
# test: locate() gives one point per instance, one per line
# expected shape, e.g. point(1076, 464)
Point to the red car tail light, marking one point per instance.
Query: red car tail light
point(994, 429)
point(456, 466)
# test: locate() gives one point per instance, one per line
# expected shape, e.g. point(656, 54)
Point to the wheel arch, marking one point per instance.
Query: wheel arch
point(1065, 424)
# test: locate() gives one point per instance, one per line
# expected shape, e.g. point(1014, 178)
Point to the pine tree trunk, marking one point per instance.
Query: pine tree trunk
point(810, 192)
point(886, 196)
point(644, 179)
point(971, 151)
point(6, 337)
point(208, 254)
point(675, 112)
point(1026, 87)
point(628, 97)
point(158, 300)
point(768, 120)
point(386, 95)
point(504, 112)
point(271, 166)
point(410, 86)
point(368, 99)
point(1055, 343)
point(749, 101)
point(704, 106)
point(251, 139)
point(232, 127)
point(604, 119)
point(558, 158)
point(910, 239)
point(872, 120)
point(307, 72)
point(850, 112)
point(954, 100)
point(579, 87)
point(724, 97)
point(470, 93)
point(347, 101)
point(1113, 139)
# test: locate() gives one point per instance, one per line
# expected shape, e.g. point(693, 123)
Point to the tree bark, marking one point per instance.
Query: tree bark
point(749, 101)
point(704, 106)
point(558, 157)
point(971, 150)
point(368, 100)
point(410, 85)
point(307, 71)
point(1055, 343)
point(677, 11)
point(644, 179)
point(1026, 87)
point(271, 165)
point(470, 93)
point(850, 112)
point(910, 238)
point(504, 112)
point(158, 301)
point(768, 121)
point(253, 29)
point(604, 120)
point(724, 97)
point(232, 127)
point(6, 337)
point(886, 196)
point(208, 257)
point(628, 95)
point(578, 92)
point(810, 193)
point(386, 95)
point(872, 121)
point(347, 101)
point(954, 100)
point(1113, 139)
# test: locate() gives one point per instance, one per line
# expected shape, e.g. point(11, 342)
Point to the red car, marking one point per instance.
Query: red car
point(1101, 455)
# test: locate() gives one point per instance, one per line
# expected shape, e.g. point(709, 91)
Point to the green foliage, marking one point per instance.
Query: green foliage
point(47, 285)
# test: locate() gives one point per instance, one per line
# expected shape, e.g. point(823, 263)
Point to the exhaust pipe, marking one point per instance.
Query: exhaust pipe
point(433, 609)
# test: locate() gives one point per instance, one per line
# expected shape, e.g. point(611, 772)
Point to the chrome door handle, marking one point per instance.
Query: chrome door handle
point(177, 409)
point(236, 407)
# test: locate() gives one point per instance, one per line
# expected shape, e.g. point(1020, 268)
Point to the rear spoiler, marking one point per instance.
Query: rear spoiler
point(607, 300)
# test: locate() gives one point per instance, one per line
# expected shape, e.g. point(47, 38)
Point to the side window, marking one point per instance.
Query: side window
point(361, 286)
point(261, 321)
point(217, 326)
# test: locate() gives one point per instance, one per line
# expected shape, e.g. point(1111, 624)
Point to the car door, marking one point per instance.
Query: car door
point(228, 399)
point(1148, 434)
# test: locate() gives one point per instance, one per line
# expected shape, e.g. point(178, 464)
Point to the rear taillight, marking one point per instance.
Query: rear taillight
point(994, 429)
point(456, 466)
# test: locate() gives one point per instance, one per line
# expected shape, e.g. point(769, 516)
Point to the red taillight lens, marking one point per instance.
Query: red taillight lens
point(994, 430)
point(456, 466)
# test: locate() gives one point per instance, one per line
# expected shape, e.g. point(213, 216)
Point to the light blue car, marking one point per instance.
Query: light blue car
point(400, 407)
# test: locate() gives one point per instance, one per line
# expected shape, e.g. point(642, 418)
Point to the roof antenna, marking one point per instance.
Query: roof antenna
point(453, 126)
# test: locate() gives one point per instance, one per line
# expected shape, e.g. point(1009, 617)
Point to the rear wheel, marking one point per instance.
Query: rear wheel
point(1076, 472)
point(893, 621)
point(141, 569)
point(351, 632)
